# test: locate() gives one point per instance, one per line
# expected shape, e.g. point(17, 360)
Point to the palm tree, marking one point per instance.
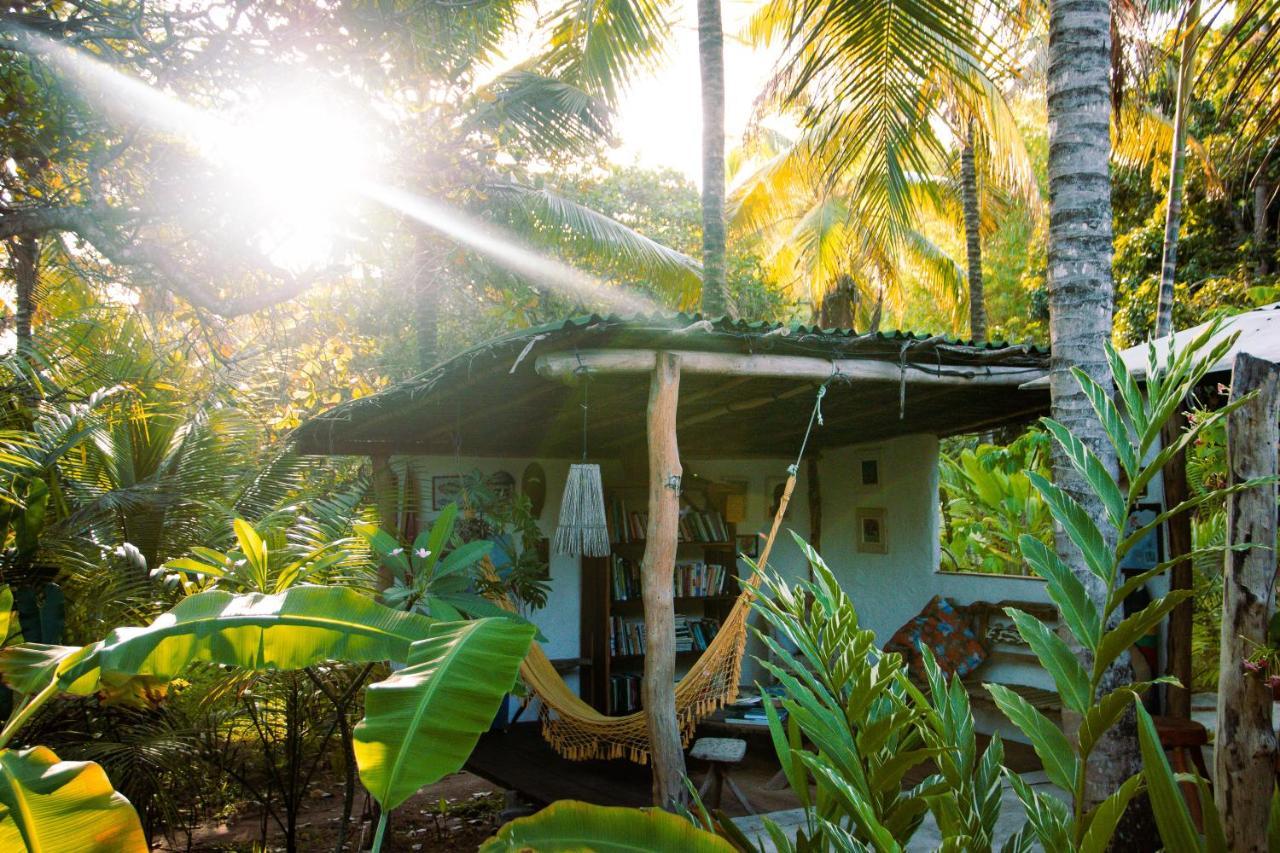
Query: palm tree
point(1081, 297)
point(869, 87)
point(711, 60)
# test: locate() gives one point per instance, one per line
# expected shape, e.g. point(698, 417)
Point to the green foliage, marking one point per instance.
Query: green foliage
point(300, 627)
point(569, 825)
point(423, 721)
point(989, 502)
point(1094, 624)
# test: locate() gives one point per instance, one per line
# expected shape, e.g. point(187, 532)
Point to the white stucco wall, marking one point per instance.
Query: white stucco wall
point(888, 589)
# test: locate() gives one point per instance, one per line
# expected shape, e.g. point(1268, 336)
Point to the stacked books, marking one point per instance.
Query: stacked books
point(694, 633)
point(626, 636)
point(624, 525)
point(624, 693)
point(694, 579)
point(750, 711)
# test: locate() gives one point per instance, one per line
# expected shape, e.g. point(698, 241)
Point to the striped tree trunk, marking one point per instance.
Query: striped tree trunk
point(711, 59)
point(1080, 309)
point(1177, 173)
point(973, 237)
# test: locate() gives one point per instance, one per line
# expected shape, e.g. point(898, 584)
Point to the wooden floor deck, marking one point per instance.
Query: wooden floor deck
point(520, 760)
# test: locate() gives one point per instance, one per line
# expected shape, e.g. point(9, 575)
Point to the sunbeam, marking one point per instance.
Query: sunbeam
point(301, 166)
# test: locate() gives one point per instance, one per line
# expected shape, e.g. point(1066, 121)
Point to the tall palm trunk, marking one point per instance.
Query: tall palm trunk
point(973, 237)
point(1262, 192)
point(711, 58)
point(1080, 307)
point(1177, 171)
point(25, 254)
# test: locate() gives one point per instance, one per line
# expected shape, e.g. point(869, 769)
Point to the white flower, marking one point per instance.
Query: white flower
point(395, 552)
point(422, 553)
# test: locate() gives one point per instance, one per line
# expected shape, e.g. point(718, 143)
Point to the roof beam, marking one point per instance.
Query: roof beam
point(565, 366)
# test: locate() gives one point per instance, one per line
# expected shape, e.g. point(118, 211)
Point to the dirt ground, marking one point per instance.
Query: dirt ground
point(471, 813)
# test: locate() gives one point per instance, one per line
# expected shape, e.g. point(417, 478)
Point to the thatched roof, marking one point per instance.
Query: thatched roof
point(491, 400)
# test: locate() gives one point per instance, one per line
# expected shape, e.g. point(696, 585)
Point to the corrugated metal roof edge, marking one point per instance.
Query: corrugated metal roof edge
point(681, 322)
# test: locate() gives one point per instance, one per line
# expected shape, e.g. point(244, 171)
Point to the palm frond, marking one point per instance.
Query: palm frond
point(600, 45)
point(547, 115)
point(558, 220)
point(1144, 138)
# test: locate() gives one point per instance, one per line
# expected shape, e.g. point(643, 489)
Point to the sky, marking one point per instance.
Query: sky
point(659, 121)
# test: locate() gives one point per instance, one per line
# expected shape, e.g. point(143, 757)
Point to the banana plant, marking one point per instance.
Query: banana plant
point(573, 826)
point(423, 729)
point(1133, 429)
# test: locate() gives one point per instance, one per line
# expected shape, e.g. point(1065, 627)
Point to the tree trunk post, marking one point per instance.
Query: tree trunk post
point(973, 237)
point(1177, 171)
point(1245, 753)
point(1262, 191)
point(711, 62)
point(1181, 575)
point(657, 570)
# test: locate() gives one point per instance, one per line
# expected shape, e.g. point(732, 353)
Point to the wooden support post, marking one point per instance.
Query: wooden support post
point(1244, 757)
point(1178, 650)
point(665, 749)
point(385, 500)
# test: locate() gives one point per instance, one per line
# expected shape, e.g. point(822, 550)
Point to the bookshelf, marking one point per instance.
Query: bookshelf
point(705, 588)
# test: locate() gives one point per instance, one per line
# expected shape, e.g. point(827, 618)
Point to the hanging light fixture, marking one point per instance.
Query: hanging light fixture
point(582, 530)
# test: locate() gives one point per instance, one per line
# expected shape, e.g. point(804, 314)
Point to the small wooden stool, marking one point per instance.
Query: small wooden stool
point(720, 753)
point(1183, 740)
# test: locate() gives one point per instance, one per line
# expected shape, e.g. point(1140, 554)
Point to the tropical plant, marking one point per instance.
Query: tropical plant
point(435, 575)
point(434, 709)
point(989, 503)
point(1095, 626)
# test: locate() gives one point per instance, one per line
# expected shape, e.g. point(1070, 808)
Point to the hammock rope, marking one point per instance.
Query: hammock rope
point(579, 732)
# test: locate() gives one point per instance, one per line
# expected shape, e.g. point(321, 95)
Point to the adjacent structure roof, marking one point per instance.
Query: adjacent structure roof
point(490, 400)
point(1258, 330)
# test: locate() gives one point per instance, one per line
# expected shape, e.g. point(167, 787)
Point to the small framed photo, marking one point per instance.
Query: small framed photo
point(445, 490)
point(867, 473)
point(749, 546)
point(872, 532)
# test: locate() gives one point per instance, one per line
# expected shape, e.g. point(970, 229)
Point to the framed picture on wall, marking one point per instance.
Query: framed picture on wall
point(872, 532)
point(445, 489)
point(749, 545)
point(868, 474)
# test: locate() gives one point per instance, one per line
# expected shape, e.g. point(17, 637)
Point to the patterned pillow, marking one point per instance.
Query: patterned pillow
point(948, 634)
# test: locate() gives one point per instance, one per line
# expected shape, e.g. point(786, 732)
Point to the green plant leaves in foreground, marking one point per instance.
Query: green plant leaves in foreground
point(571, 825)
point(422, 723)
point(62, 806)
point(299, 627)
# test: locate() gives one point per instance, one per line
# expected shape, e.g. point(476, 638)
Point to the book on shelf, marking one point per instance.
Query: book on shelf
point(627, 525)
point(624, 692)
point(691, 579)
point(693, 634)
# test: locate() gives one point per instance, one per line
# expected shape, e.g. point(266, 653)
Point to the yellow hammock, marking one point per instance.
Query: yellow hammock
point(580, 732)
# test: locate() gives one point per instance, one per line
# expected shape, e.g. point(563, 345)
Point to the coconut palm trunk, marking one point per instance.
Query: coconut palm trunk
point(972, 236)
point(1080, 309)
point(711, 59)
point(1177, 171)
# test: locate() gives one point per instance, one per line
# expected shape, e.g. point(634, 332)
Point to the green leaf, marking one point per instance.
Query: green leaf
point(254, 550)
point(1049, 742)
point(1056, 658)
point(1079, 526)
point(1104, 713)
point(1092, 470)
point(1172, 817)
point(569, 825)
point(55, 806)
point(463, 557)
point(6, 612)
point(1066, 591)
point(1124, 635)
point(1046, 815)
point(1113, 423)
point(29, 667)
point(422, 722)
point(300, 627)
point(1102, 818)
point(385, 546)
